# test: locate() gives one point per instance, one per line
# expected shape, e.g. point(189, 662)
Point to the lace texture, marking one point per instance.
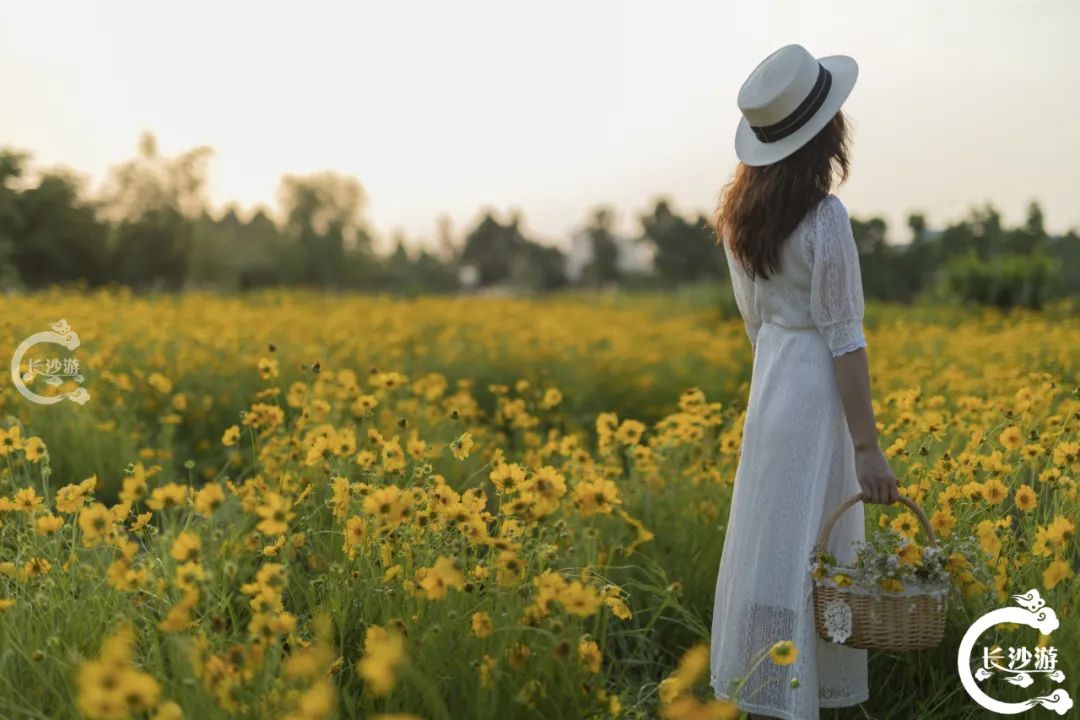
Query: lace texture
point(836, 294)
point(743, 288)
point(796, 465)
point(819, 285)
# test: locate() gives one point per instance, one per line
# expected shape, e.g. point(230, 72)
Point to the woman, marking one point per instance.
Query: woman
point(809, 436)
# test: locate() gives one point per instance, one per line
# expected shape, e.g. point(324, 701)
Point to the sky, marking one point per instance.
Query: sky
point(549, 108)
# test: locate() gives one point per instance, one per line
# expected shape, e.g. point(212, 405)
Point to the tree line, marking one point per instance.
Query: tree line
point(150, 229)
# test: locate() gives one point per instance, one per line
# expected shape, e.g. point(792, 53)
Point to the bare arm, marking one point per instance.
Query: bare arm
point(872, 467)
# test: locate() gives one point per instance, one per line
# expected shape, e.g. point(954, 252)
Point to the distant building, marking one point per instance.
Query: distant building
point(469, 276)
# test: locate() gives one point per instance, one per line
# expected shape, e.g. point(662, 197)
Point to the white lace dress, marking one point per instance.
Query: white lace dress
point(797, 463)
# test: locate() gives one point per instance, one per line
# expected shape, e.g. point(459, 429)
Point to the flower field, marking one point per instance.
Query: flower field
point(295, 505)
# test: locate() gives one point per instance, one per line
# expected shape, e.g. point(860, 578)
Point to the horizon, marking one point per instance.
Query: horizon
point(504, 107)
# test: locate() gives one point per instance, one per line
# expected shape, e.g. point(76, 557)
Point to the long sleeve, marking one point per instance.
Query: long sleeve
point(836, 294)
point(743, 288)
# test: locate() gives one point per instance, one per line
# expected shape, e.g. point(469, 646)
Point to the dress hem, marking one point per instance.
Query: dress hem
point(784, 714)
point(844, 701)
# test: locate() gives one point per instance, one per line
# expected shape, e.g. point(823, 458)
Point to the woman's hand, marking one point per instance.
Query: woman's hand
point(875, 476)
point(871, 468)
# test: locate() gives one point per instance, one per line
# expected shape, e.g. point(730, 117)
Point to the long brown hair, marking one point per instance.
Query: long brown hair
point(761, 206)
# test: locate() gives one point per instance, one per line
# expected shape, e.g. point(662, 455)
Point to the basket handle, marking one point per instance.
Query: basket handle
point(835, 515)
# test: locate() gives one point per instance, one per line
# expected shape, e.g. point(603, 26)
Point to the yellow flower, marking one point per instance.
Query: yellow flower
point(366, 459)
point(230, 436)
point(1025, 498)
point(596, 497)
point(589, 655)
point(462, 446)
point(507, 477)
point(71, 497)
point(1055, 572)
point(110, 686)
point(910, 554)
point(389, 503)
point(160, 383)
point(187, 547)
point(552, 397)
point(27, 500)
point(994, 491)
point(209, 498)
point(36, 567)
point(384, 652)
point(891, 584)
point(942, 521)
point(354, 534)
point(442, 575)
point(364, 404)
point(1032, 451)
point(189, 575)
point(906, 524)
point(96, 524)
point(783, 652)
point(169, 711)
point(48, 524)
point(580, 599)
point(692, 664)
point(1067, 454)
point(141, 521)
point(167, 496)
point(275, 513)
point(393, 456)
point(34, 449)
point(10, 440)
point(295, 397)
point(134, 485)
point(956, 562)
point(341, 488)
point(1011, 438)
point(481, 624)
point(630, 432)
point(268, 368)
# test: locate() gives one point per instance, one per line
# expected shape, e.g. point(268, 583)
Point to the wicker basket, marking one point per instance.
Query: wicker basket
point(880, 620)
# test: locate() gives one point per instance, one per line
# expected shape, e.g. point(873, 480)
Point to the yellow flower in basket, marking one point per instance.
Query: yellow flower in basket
point(841, 579)
point(910, 554)
point(891, 584)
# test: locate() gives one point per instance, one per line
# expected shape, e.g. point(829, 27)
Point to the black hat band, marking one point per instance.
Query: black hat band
point(800, 115)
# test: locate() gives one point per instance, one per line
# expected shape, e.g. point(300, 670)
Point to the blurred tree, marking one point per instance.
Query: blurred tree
point(917, 224)
point(332, 244)
point(502, 254)
point(447, 249)
point(153, 202)
point(1029, 237)
point(1006, 281)
point(60, 240)
point(12, 163)
point(489, 248)
point(883, 277)
point(1065, 251)
point(685, 251)
point(603, 268)
point(538, 267)
point(151, 229)
point(232, 254)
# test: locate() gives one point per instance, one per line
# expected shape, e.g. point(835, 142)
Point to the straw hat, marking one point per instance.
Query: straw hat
point(787, 99)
